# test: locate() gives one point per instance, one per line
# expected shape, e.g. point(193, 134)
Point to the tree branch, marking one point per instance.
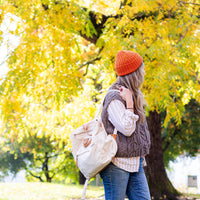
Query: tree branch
point(51, 177)
point(35, 176)
point(98, 26)
point(87, 64)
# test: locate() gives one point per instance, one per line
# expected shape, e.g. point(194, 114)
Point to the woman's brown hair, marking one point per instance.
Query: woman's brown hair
point(133, 82)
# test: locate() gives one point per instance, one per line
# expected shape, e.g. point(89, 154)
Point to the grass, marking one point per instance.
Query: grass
point(46, 191)
point(50, 191)
point(196, 196)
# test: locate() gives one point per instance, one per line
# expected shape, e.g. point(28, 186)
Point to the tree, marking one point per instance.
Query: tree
point(42, 157)
point(53, 60)
point(12, 162)
point(181, 139)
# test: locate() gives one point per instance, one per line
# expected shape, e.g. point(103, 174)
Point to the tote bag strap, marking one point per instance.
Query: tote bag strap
point(115, 132)
point(101, 106)
point(84, 189)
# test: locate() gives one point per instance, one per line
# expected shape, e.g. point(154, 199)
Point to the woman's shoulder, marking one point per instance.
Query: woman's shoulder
point(112, 94)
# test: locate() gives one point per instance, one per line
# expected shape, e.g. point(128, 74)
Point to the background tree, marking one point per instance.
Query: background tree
point(12, 161)
point(53, 61)
point(183, 139)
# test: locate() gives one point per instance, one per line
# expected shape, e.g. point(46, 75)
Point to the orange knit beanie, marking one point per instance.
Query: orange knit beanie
point(127, 62)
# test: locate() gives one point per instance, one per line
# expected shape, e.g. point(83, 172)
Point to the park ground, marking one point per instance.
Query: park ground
point(50, 191)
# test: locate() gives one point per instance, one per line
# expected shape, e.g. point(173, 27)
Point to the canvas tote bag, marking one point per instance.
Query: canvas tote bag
point(92, 148)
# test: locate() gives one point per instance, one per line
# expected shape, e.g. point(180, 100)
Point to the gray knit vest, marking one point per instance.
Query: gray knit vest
point(138, 143)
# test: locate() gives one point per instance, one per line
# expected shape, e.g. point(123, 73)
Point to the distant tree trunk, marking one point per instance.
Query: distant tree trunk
point(160, 185)
point(81, 178)
point(45, 168)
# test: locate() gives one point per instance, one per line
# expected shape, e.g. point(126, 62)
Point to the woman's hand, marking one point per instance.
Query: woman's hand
point(126, 95)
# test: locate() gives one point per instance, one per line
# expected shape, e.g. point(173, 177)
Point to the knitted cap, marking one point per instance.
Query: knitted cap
point(127, 62)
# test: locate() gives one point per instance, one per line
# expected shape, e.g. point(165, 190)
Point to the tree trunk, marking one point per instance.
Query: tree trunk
point(160, 185)
point(45, 168)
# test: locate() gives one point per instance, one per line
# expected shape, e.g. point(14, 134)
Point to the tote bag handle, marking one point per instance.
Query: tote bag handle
point(101, 106)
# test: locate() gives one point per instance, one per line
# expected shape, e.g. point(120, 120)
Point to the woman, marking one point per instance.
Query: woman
point(124, 109)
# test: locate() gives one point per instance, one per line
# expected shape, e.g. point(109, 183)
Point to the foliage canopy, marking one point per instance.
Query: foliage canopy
point(65, 59)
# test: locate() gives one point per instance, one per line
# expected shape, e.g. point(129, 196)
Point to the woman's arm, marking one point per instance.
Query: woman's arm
point(126, 94)
point(123, 119)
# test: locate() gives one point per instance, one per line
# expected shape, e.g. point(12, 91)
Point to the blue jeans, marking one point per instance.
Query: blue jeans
point(119, 183)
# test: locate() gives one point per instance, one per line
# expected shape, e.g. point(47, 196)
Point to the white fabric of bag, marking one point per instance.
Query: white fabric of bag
point(99, 153)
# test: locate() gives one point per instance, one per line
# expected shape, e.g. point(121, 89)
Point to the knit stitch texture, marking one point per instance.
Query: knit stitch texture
point(127, 62)
point(138, 144)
